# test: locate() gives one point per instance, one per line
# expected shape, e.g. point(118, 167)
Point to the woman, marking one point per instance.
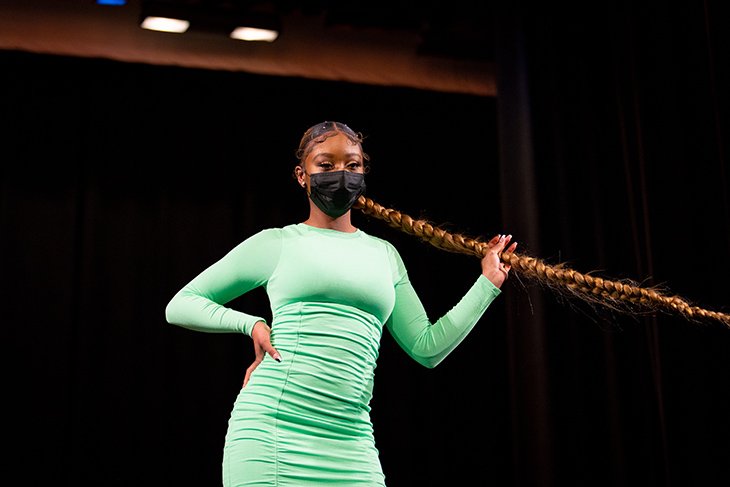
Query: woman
point(302, 416)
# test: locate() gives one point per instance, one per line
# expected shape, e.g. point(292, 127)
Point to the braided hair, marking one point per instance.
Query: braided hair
point(624, 295)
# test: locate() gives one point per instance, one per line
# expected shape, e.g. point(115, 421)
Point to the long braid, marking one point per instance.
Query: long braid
point(625, 296)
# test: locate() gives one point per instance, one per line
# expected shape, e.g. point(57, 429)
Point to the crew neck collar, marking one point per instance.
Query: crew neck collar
point(330, 231)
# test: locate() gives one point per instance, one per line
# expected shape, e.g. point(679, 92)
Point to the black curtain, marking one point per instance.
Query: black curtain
point(605, 150)
point(615, 116)
point(121, 182)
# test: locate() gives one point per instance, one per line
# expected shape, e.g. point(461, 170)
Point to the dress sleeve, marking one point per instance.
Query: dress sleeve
point(199, 305)
point(429, 343)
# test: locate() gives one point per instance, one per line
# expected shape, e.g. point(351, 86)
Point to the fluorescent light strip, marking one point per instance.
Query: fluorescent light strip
point(165, 24)
point(254, 34)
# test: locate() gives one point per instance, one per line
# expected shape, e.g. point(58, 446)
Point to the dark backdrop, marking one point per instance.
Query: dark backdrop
point(605, 150)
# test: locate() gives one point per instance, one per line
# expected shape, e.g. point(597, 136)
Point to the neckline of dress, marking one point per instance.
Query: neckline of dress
point(330, 231)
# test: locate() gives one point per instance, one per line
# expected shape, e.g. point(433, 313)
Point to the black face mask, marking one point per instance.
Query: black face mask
point(334, 192)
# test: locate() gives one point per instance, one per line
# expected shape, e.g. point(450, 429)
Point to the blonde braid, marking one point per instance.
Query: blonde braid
point(624, 296)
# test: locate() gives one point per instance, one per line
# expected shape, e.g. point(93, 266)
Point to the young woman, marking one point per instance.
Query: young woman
point(302, 416)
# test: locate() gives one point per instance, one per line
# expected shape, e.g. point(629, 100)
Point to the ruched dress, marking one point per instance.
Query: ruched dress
point(305, 421)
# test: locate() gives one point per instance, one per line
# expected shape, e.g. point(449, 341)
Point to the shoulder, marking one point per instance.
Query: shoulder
point(286, 230)
point(386, 245)
point(378, 241)
point(397, 266)
point(279, 234)
point(266, 234)
point(266, 237)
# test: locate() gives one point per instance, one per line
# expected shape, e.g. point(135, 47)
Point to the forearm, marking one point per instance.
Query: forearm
point(200, 305)
point(428, 343)
point(193, 311)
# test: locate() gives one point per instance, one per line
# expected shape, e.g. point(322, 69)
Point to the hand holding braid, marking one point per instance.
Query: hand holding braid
point(494, 266)
point(624, 296)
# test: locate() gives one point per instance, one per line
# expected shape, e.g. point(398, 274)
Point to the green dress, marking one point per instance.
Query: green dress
point(306, 420)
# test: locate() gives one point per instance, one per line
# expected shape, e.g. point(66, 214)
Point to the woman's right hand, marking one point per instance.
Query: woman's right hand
point(261, 336)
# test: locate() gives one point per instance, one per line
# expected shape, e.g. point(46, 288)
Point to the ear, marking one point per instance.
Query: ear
point(300, 176)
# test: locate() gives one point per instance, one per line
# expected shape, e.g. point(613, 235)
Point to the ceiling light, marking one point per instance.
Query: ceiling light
point(165, 24)
point(254, 34)
point(204, 18)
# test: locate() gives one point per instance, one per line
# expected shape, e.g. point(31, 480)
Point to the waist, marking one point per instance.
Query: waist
point(332, 332)
point(328, 362)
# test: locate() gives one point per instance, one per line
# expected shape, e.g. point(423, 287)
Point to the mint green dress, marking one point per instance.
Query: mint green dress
point(305, 421)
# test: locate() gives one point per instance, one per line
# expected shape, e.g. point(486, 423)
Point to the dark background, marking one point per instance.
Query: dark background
point(606, 149)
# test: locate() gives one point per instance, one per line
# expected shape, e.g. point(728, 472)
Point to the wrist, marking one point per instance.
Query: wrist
point(496, 277)
point(250, 327)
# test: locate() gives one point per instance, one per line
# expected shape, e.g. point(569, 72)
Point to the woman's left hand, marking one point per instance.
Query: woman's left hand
point(492, 266)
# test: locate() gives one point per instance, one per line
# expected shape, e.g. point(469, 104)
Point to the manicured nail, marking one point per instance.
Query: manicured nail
point(277, 357)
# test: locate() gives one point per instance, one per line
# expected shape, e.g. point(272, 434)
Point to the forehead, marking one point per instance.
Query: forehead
point(336, 143)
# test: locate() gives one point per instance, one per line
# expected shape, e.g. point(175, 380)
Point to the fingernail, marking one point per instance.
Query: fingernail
point(277, 357)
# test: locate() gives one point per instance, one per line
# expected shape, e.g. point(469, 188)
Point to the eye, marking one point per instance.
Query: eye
point(325, 164)
point(354, 165)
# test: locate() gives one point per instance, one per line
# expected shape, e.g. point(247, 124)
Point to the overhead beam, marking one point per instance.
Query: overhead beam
point(306, 48)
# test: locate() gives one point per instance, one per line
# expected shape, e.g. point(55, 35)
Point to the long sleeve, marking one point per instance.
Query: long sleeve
point(200, 304)
point(429, 343)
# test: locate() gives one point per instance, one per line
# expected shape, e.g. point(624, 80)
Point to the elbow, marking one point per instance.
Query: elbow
point(428, 362)
point(171, 312)
point(169, 315)
point(428, 355)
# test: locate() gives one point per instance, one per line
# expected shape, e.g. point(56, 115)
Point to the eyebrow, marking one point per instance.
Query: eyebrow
point(348, 154)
